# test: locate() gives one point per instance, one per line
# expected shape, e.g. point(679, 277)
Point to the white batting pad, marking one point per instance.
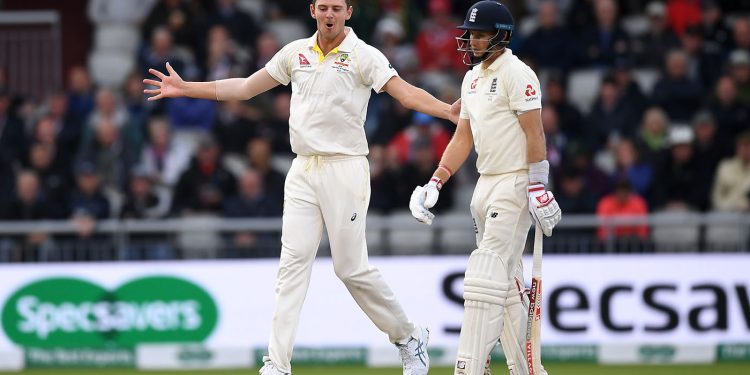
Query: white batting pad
point(485, 290)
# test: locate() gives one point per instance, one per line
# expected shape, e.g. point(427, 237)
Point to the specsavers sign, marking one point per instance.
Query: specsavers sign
point(71, 312)
point(656, 300)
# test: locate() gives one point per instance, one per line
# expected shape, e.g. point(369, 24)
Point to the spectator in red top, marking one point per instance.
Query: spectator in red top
point(436, 43)
point(683, 13)
point(623, 202)
point(423, 127)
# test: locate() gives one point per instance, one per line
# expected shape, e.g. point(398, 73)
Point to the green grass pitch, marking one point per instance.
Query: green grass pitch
point(553, 369)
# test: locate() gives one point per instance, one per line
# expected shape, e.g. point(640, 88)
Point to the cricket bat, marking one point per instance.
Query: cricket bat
point(534, 323)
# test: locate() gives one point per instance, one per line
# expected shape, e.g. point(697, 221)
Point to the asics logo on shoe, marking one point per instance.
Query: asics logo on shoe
point(419, 352)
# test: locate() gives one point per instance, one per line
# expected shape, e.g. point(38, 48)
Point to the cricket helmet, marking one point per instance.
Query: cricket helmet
point(486, 15)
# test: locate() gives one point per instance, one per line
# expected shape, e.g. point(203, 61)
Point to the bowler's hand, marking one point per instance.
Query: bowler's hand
point(171, 86)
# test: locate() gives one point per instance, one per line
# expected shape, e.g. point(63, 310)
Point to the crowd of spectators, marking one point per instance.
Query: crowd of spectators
point(94, 151)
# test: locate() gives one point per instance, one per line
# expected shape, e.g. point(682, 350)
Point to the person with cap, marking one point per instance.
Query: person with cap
point(648, 49)
point(332, 75)
point(501, 118)
point(88, 199)
point(675, 178)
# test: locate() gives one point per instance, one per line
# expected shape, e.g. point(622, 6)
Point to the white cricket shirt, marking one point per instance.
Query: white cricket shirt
point(491, 99)
point(330, 93)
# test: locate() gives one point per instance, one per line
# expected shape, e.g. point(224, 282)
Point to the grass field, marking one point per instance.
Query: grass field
point(553, 369)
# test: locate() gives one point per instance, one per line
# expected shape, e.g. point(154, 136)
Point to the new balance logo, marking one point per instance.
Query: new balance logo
point(473, 15)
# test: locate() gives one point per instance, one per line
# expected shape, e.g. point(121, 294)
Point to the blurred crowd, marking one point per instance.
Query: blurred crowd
point(646, 109)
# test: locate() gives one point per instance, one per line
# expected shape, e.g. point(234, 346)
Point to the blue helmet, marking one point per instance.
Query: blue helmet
point(486, 15)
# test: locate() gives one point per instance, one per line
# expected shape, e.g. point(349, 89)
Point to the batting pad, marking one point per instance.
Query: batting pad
point(485, 290)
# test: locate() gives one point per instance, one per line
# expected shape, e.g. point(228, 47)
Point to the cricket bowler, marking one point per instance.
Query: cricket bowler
point(501, 117)
point(332, 74)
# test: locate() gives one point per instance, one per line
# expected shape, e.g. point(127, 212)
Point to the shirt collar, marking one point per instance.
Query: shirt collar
point(499, 61)
point(346, 46)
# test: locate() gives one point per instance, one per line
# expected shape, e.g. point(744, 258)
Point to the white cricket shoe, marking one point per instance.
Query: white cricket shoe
point(414, 353)
point(269, 368)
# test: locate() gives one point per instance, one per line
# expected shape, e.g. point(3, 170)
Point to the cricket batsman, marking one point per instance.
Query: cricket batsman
point(501, 116)
point(332, 75)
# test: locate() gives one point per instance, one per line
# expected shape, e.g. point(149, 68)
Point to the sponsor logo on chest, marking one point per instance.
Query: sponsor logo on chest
point(473, 87)
point(303, 61)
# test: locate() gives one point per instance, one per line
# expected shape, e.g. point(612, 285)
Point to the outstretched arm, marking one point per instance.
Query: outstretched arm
point(420, 100)
point(172, 86)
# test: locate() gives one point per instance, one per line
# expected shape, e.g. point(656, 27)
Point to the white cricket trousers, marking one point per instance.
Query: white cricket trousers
point(499, 208)
point(334, 190)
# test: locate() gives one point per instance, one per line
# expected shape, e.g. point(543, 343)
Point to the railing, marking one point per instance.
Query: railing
point(398, 234)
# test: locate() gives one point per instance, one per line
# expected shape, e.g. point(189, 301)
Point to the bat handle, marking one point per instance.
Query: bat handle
point(538, 242)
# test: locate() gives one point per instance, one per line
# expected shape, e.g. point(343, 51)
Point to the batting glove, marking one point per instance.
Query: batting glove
point(544, 208)
point(423, 198)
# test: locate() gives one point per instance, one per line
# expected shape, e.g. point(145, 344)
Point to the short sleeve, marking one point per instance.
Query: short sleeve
point(524, 91)
point(280, 67)
point(375, 68)
point(464, 89)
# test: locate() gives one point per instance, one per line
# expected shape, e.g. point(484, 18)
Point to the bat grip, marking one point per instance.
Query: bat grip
point(536, 270)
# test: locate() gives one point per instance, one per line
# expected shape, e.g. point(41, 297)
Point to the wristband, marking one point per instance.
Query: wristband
point(539, 172)
point(536, 187)
point(446, 169)
point(437, 182)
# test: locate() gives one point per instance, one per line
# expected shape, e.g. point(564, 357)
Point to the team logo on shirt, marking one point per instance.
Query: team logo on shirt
point(341, 63)
point(530, 91)
point(342, 60)
point(493, 86)
point(303, 62)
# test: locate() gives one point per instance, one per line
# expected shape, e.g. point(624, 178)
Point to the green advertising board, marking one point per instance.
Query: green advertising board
point(73, 322)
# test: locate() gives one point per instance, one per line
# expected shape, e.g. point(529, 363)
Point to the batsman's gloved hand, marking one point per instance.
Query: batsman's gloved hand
point(423, 198)
point(544, 208)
